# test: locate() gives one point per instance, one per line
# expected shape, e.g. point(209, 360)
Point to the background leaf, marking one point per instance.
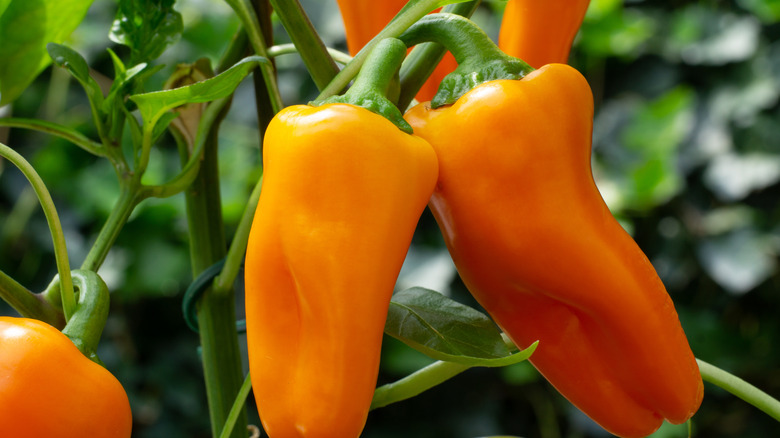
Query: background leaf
point(147, 27)
point(26, 26)
point(153, 105)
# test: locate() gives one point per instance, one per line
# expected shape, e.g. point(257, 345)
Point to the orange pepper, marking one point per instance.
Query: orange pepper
point(364, 19)
point(541, 32)
point(537, 247)
point(48, 388)
point(343, 190)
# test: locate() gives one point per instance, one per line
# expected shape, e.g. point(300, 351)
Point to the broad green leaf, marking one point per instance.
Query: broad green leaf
point(153, 105)
point(147, 27)
point(25, 29)
point(446, 330)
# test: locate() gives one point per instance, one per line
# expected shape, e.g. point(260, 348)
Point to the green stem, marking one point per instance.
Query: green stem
point(221, 356)
point(63, 132)
point(416, 383)
point(372, 84)
point(413, 11)
point(479, 59)
point(313, 52)
point(235, 255)
point(252, 26)
point(86, 325)
point(288, 49)
point(740, 388)
point(238, 407)
point(128, 199)
point(423, 59)
point(55, 227)
point(27, 303)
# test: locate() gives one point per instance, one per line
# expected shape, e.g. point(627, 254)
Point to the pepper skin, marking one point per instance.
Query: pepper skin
point(538, 248)
point(541, 32)
point(343, 190)
point(364, 19)
point(48, 388)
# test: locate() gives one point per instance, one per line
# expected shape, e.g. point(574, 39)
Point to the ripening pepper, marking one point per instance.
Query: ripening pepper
point(536, 245)
point(48, 388)
point(364, 19)
point(343, 190)
point(540, 32)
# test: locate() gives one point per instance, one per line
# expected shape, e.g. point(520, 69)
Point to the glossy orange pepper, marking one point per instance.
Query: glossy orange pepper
point(48, 388)
point(343, 190)
point(541, 32)
point(536, 245)
point(364, 19)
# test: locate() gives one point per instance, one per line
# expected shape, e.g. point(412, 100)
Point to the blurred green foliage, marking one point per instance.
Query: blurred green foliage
point(686, 153)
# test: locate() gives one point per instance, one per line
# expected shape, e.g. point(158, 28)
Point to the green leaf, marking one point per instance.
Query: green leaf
point(446, 330)
point(153, 105)
point(147, 27)
point(75, 64)
point(25, 29)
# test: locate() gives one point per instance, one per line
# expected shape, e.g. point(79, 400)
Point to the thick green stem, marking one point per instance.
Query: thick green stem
point(740, 388)
point(372, 84)
point(313, 52)
point(55, 227)
point(216, 311)
point(128, 199)
point(479, 59)
point(424, 58)
point(413, 11)
point(86, 325)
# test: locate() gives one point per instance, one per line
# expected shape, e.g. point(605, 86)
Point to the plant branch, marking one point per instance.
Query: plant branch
point(55, 227)
point(313, 52)
point(235, 254)
point(740, 388)
point(63, 132)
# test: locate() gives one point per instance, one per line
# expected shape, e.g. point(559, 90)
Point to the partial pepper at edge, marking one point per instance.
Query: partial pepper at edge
point(541, 32)
point(364, 19)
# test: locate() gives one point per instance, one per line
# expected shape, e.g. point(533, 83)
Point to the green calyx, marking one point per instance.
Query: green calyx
point(86, 324)
point(375, 82)
point(479, 59)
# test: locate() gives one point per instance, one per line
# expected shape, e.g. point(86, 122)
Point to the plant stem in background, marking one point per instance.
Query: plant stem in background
point(55, 227)
point(258, 43)
point(740, 388)
point(128, 199)
point(235, 255)
point(216, 311)
point(313, 52)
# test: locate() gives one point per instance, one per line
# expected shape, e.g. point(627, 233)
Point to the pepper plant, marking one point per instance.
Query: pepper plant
point(500, 153)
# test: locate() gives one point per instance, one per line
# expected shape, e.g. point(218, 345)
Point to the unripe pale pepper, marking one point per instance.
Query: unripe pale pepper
point(538, 248)
point(343, 190)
